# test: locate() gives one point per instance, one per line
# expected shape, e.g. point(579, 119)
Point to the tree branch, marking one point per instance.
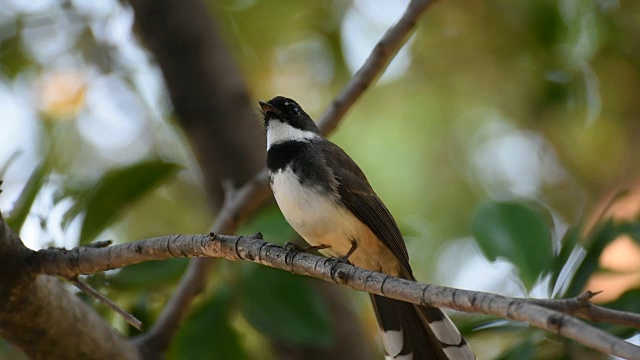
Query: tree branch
point(43, 318)
point(208, 92)
point(380, 57)
point(253, 248)
point(582, 307)
point(89, 290)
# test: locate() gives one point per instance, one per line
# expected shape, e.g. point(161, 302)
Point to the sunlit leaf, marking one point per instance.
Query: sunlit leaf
point(568, 245)
point(149, 274)
point(28, 195)
point(517, 231)
point(117, 190)
point(286, 307)
point(470, 325)
point(206, 333)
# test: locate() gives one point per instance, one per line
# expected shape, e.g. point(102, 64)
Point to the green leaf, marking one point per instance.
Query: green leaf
point(568, 245)
point(599, 238)
point(517, 231)
point(632, 229)
point(118, 189)
point(23, 205)
point(286, 307)
point(13, 59)
point(150, 274)
point(141, 310)
point(629, 302)
point(207, 334)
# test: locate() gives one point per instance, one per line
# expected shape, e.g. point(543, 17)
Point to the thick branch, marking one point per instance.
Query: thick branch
point(36, 312)
point(253, 248)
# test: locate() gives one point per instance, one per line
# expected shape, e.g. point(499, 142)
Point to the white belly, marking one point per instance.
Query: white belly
point(320, 221)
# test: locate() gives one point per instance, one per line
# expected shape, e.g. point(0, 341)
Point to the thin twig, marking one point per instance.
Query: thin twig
point(381, 55)
point(87, 289)
point(253, 248)
point(582, 307)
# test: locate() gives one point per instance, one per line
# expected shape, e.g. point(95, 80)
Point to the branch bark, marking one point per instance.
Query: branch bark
point(253, 248)
point(582, 307)
point(43, 318)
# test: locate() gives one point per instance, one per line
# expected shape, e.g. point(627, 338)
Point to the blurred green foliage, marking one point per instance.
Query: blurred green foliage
point(285, 307)
point(219, 341)
point(115, 191)
point(506, 124)
point(518, 231)
point(28, 195)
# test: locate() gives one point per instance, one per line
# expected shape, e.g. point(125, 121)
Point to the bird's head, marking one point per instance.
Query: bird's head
point(286, 111)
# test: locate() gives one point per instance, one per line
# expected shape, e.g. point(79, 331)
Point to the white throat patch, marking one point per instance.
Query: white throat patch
point(279, 132)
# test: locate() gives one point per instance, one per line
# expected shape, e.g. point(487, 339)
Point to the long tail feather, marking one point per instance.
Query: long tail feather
point(418, 332)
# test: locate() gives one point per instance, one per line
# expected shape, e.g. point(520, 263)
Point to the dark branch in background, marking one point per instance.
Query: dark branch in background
point(208, 93)
point(255, 192)
point(253, 248)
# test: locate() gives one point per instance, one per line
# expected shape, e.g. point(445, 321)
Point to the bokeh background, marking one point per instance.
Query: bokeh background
point(500, 126)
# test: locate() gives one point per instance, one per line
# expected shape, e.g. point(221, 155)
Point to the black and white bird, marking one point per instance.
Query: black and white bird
point(327, 199)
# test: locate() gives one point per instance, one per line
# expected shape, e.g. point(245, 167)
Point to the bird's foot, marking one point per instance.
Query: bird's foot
point(343, 259)
point(334, 263)
point(335, 260)
point(293, 248)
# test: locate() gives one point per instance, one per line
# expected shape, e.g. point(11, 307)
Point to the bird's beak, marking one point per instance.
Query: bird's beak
point(268, 108)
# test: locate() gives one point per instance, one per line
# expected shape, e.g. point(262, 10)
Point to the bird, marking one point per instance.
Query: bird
point(326, 198)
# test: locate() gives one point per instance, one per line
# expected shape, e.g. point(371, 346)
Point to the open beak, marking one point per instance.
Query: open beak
point(268, 108)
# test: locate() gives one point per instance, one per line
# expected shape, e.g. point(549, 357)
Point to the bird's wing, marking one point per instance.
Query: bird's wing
point(364, 203)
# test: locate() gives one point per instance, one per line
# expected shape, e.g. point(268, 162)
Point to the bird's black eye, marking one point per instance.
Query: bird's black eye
point(294, 111)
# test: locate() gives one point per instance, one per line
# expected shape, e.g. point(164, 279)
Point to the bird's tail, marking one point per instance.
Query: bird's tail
point(418, 332)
